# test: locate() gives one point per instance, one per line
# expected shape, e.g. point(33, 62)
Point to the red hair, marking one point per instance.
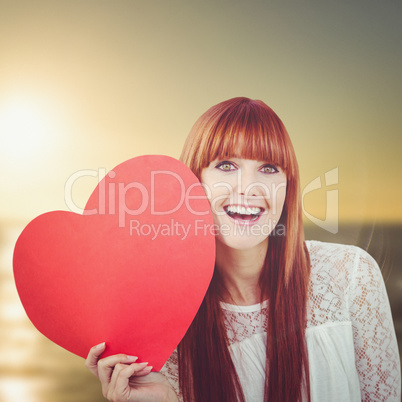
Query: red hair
point(249, 129)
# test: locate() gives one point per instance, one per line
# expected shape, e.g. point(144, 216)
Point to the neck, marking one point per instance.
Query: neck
point(240, 272)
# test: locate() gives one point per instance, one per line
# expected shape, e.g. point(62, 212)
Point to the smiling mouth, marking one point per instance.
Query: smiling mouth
point(242, 213)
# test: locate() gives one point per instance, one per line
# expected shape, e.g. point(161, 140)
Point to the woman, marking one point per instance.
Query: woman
point(282, 320)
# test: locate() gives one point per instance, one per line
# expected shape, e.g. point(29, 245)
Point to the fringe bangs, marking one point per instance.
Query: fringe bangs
point(247, 130)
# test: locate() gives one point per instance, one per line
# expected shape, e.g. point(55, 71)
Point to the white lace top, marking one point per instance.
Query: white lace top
point(352, 347)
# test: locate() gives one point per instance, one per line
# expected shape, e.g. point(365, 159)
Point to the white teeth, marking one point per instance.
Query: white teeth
point(237, 209)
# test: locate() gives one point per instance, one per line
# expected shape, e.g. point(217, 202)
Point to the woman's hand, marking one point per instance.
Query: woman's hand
point(124, 380)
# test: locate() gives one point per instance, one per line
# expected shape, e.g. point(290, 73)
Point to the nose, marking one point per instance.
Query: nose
point(248, 184)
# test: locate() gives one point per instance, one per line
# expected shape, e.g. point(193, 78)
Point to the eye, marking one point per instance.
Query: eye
point(269, 169)
point(226, 166)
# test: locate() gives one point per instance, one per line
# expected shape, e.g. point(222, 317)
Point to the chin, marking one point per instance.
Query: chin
point(240, 242)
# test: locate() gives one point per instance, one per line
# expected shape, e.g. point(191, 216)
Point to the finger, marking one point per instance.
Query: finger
point(142, 372)
point(107, 365)
point(138, 370)
point(91, 361)
point(119, 383)
point(116, 372)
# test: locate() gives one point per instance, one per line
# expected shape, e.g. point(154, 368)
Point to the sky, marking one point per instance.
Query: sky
point(86, 85)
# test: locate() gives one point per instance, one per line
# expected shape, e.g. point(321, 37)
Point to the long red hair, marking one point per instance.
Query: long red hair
point(249, 129)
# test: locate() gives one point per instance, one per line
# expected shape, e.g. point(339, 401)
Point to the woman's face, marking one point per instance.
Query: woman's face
point(247, 199)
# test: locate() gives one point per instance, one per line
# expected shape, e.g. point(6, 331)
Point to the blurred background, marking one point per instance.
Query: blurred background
point(85, 85)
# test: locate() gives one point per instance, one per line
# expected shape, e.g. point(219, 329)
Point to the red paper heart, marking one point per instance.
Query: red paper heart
point(131, 271)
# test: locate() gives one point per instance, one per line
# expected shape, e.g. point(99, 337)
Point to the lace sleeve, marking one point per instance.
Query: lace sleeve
point(376, 349)
point(171, 371)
